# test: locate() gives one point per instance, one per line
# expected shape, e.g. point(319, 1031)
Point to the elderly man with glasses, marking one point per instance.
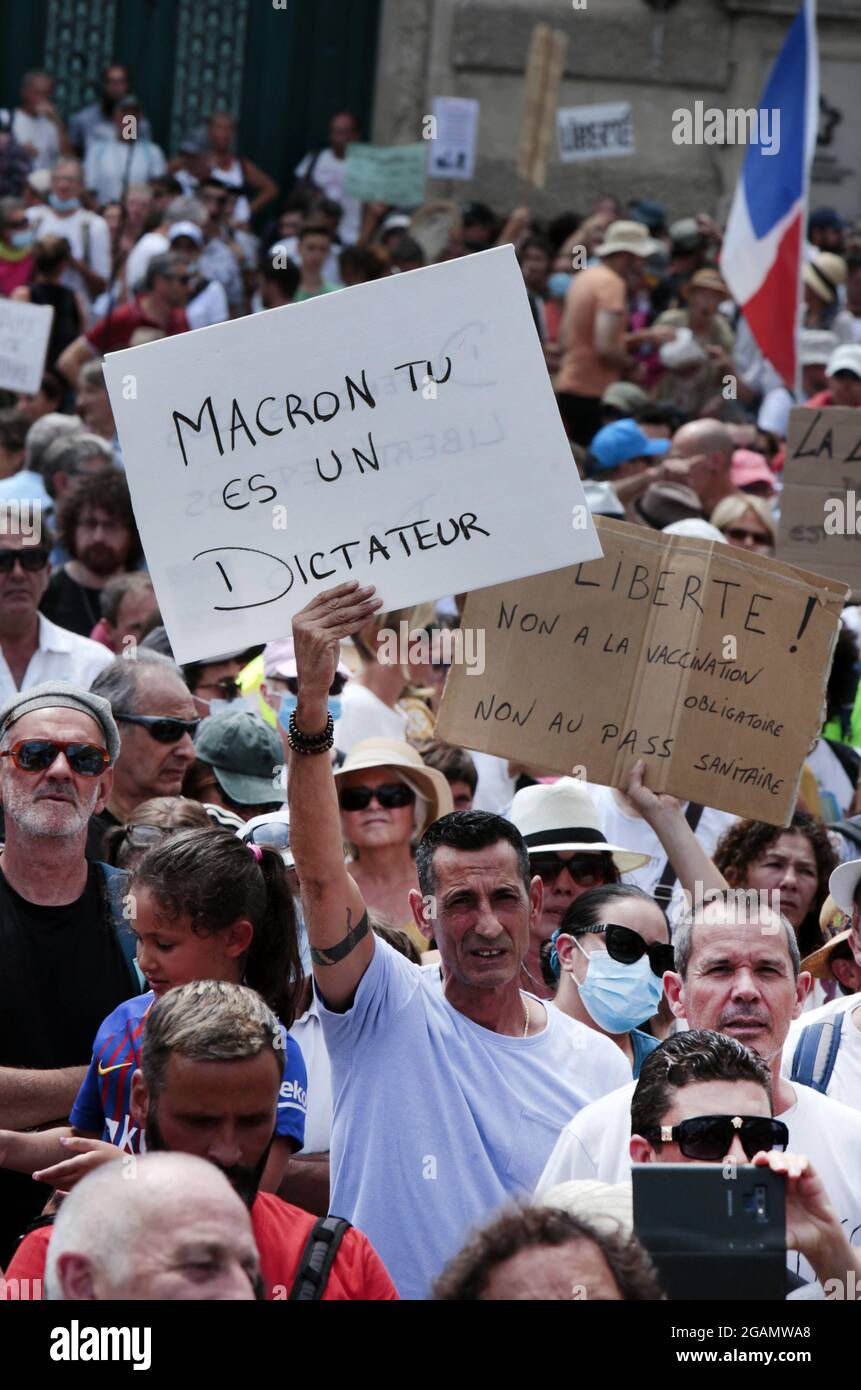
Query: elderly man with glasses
point(32, 649)
point(65, 959)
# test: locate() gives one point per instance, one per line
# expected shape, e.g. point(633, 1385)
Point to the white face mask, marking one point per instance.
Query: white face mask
point(242, 702)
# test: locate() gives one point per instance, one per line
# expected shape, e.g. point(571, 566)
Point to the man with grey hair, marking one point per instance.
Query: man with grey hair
point(64, 962)
point(158, 720)
point(178, 1231)
point(737, 972)
point(28, 481)
point(128, 604)
point(32, 648)
point(72, 457)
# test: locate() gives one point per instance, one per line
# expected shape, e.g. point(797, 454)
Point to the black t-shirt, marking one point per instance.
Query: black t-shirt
point(71, 605)
point(62, 971)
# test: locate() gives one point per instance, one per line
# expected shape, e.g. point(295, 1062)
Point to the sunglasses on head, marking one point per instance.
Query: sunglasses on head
point(627, 946)
point(161, 727)
point(389, 795)
point(709, 1137)
point(142, 836)
point(588, 870)
point(30, 560)
point(274, 832)
point(38, 754)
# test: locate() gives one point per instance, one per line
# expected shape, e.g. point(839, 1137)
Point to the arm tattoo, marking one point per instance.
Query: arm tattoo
point(333, 954)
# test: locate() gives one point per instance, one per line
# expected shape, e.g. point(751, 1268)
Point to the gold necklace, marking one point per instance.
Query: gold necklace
point(525, 1014)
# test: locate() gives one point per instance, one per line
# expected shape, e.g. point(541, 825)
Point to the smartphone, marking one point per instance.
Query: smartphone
point(714, 1231)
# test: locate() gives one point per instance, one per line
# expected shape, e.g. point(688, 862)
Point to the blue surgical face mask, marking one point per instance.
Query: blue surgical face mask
point(619, 997)
point(242, 702)
point(286, 708)
point(21, 240)
point(558, 283)
point(63, 204)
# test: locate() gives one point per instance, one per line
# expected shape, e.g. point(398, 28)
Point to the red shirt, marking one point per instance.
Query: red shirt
point(280, 1231)
point(110, 335)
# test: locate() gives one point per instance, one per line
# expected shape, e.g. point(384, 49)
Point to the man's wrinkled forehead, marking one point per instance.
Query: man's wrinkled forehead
point(56, 723)
point(738, 941)
point(495, 866)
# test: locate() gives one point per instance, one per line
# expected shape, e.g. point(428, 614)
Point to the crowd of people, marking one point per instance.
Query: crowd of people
point(364, 1015)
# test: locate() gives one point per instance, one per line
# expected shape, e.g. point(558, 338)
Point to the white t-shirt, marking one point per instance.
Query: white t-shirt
point(307, 1031)
point(439, 1121)
point(328, 175)
point(208, 307)
point(88, 236)
point(41, 133)
point(595, 1145)
point(845, 1082)
point(364, 715)
point(632, 832)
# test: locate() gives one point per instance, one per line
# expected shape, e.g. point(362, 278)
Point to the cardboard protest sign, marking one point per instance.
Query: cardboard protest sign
point(544, 68)
point(601, 131)
point(403, 433)
point(451, 154)
point(820, 506)
point(24, 333)
point(386, 173)
point(705, 661)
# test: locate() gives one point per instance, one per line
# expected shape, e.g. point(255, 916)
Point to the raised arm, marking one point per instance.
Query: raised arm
point(341, 942)
point(681, 846)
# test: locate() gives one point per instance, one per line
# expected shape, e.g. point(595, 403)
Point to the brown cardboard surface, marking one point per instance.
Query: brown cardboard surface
point(823, 462)
point(589, 668)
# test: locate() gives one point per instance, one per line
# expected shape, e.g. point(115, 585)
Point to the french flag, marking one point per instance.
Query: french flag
point(762, 251)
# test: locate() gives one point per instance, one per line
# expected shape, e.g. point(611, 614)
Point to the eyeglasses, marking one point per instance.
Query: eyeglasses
point(627, 946)
point(389, 795)
point(161, 727)
point(588, 870)
point(142, 836)
point(227, 688)
point(738, 533)
point(274, 832)
point(709, 1137)
point(38, 754)
point(29, 560)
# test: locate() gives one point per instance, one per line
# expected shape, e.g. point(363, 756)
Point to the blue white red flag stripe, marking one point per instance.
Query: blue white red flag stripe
point(762, 251)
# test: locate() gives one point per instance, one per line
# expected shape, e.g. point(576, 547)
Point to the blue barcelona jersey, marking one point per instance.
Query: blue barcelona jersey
point(103, 1104)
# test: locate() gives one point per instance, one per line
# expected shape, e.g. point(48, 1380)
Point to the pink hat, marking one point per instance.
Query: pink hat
point(749, 467)
point(279, 659)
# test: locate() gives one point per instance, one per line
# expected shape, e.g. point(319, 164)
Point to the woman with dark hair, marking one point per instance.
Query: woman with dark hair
point(203, 906)
point(608, 958)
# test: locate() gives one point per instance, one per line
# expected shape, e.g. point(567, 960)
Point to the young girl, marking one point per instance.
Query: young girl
point(203, 906)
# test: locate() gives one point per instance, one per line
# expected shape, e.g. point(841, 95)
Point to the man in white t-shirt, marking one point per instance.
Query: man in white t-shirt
point(36, 124)
point(446, 1101)
point(836, 1074)
point(86, 232)
point(740, 977)
point(326, 171)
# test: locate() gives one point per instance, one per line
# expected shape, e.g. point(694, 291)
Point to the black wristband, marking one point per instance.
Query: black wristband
point(301, 742)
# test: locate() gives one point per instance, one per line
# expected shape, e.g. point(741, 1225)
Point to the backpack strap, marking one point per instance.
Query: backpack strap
point(317, 1259)
point(114, 882)
point(816, 1053)
point(663, 889)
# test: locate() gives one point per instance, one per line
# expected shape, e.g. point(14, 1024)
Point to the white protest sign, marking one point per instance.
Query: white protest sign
point(403, 433)
point(24, 333)
point(451, 154)
point(602, 131)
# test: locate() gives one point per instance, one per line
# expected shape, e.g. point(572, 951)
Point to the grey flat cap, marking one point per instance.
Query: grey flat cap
point(63, 695)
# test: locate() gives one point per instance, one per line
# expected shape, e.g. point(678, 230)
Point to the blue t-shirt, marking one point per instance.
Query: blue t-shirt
point(438, 1121)
point(643, 1044)
point(104, 1100)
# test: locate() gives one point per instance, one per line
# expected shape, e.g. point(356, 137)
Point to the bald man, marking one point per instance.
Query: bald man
point(700, 457)
point(166, 1226)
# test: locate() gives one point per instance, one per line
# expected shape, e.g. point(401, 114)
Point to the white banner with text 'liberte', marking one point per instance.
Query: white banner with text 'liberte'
point(403, 433)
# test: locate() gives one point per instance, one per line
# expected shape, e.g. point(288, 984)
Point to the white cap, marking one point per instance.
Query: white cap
point(189, 229)
point(842, 884)
point(847, 358)
point(696, 528)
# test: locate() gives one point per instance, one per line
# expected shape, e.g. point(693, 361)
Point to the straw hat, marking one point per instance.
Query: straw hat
point(628, 236)
point(425, 781)
point(824, 274)
point(707, 279)
point(563, 816)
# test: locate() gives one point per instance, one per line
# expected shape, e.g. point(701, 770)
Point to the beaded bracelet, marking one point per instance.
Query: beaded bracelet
point(310, 743)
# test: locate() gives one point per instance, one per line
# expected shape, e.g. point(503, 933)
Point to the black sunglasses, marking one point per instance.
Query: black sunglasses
point(30, 560)
point(627, 946)
point(389, 795)
point(38, 754)
point(161, 727)
point(709, 1137)
point(589, 870)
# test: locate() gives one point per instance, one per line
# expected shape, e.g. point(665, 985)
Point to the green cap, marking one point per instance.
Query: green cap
point(245, 755)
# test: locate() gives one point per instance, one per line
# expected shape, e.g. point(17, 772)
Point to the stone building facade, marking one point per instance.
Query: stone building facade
point(714, 51)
